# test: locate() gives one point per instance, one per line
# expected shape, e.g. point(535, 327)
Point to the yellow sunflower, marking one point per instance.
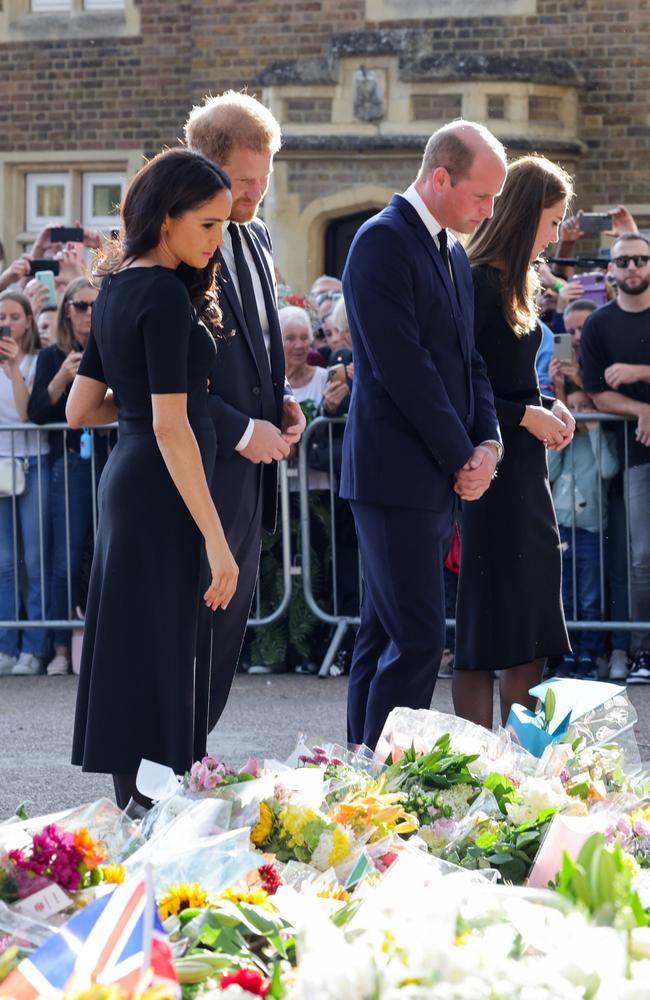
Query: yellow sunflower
point(182, 896)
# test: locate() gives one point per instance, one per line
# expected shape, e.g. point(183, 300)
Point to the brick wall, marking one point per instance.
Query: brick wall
point(311, 179)
point(120, 93)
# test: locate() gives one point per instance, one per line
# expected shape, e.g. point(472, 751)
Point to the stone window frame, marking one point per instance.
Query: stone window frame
point(19, 23)
point(15, 167)
point(412, 10)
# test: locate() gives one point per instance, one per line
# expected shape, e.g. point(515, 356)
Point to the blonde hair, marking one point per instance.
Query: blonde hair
point(229, 120)
point(31, 340)
point(64, 332)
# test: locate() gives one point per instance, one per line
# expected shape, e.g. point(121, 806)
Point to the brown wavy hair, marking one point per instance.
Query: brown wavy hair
point(506, 241)
point(172, 183)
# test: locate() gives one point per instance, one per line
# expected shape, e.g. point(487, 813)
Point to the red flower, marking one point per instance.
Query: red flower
point(271, 879)
point(295, 300)
point(249, 980)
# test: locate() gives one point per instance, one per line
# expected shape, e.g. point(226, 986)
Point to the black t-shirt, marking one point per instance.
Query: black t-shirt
point(612, 335)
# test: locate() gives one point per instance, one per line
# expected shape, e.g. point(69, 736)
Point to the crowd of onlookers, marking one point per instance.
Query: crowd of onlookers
point(47, 479)
point(595, 355)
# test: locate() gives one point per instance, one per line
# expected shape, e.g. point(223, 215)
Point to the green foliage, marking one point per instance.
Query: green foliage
point(440, 768)
point(502, 788)
point(599, 882)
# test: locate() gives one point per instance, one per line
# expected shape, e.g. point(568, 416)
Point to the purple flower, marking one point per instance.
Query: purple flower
point(642, 827)
point(252, 766)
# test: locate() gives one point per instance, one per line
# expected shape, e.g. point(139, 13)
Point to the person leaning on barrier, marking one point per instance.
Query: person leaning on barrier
point(71, 473)
point(580, 475)
point(21, 652)
point(615, 350)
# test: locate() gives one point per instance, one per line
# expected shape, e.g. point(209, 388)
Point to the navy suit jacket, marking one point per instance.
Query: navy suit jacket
point(244, 386)
point(421, 399)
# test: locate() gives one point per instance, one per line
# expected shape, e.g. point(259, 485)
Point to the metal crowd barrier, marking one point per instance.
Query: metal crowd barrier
point(342, 622)
point(42, 469)
point(329, 610)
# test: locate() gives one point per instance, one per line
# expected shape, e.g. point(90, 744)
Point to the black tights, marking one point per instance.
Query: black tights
point(125, 790)
point(473, 691)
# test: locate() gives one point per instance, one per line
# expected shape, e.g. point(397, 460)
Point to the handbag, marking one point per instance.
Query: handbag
point(13, 476)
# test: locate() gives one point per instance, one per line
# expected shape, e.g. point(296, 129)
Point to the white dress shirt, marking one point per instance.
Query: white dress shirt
point(413, 197)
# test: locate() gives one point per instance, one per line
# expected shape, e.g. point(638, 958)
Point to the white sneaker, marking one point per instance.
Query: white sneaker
point(59, 666)
point(7, 663)
point(27, 665)
point(619, 665)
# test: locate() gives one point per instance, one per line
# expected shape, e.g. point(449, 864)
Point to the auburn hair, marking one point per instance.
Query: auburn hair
point(506, 241)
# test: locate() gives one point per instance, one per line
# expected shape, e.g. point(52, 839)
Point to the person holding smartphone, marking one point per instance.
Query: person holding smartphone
point(147, 362)
point(21, 652)
point(71, 525)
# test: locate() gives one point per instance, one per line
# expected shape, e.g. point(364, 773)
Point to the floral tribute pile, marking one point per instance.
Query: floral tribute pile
point(451, 865)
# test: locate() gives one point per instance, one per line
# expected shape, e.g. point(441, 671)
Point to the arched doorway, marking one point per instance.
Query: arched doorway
point(338, 237)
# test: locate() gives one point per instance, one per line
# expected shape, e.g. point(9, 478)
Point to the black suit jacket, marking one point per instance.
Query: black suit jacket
point(421, 398)
point(244, 386)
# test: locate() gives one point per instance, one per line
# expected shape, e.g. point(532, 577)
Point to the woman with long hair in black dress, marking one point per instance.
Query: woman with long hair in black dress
point(509, 615)
point(142, 690)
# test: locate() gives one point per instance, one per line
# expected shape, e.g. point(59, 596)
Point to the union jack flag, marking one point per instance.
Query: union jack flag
point(116, 940)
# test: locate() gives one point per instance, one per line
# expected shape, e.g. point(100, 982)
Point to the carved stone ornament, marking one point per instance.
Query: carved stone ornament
point(367, 98)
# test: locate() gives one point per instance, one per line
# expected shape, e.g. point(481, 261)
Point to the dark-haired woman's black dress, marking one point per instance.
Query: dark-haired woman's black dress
point(509, 590)
point(142, 692)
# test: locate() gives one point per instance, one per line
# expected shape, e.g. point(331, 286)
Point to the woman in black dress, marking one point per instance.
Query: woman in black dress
point(142, 691)
point(509, 615)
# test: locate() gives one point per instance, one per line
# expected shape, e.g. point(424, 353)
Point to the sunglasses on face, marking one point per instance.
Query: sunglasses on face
point(640, 260)
point(82, 307)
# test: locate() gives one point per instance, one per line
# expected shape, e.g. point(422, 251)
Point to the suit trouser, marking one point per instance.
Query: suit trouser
point(242, 524)
point(402, 632)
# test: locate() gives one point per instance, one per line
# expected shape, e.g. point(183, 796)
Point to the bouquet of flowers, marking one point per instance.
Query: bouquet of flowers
point(209, 774)
point(71, 859)
point(436, 784)
point(296, 832)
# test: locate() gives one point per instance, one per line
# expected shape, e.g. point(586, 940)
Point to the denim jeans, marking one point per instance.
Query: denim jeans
point(585, 642)
point(616, 565)
point(28, 567)
point(638, 498)
point(77, 535)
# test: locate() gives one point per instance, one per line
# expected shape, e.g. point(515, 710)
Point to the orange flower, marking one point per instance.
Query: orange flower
point(92, 852)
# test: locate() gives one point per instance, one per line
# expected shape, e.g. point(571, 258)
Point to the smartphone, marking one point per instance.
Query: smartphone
point(336, 373)
point(594, 286)
point(5, 331)
point(47, 278)
point(593, 222)
point(44, 264)
point(66, 234)
point(562, 349)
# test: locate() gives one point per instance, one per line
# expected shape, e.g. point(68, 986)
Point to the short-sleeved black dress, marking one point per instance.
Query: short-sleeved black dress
point(142, 692)
point(509, 590)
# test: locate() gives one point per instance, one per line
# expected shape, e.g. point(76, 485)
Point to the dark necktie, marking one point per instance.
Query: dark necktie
point(249, 302)
point(444, 253)
point(444, 249)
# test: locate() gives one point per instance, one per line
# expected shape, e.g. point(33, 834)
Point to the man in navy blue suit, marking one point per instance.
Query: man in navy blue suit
point(422, 429)
point(255, 416)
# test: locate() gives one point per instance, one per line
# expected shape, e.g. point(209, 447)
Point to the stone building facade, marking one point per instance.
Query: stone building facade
point(90, 86)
